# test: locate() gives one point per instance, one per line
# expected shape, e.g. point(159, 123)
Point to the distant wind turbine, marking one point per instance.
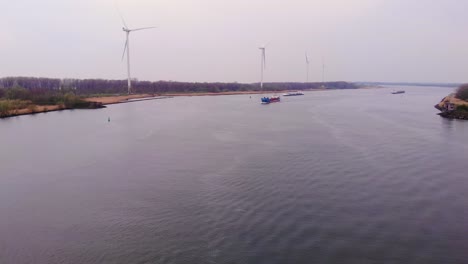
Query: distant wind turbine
point(307, 65)
point(262, 63)
point(323, 73)
point(127, 48)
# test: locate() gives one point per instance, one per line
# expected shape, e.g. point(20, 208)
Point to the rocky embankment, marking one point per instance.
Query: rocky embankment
point(452, 107)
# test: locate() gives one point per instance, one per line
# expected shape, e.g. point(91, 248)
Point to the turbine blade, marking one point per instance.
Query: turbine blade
point(136, 29)
point(307, 58)
point(264, 59)
point(125, 49)
point(120, 14)
point(123, 21)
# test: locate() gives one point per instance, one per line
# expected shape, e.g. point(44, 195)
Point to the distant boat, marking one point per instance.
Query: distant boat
point(293, 93)
point(272, 99)
point(399, 92)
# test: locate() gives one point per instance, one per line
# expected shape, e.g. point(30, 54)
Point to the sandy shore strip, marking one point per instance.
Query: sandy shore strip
point(37, 109)
point(117, 99)
point(458, 101)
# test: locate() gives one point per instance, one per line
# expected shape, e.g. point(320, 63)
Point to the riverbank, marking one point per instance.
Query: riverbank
point(31, 108)
point(453, 108)
point(92, 103)
point(102, 101)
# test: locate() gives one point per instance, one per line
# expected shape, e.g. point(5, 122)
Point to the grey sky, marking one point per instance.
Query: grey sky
point(216, 40)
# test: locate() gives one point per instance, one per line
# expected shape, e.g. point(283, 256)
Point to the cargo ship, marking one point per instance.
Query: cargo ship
point(272, 99)
point(293, 93)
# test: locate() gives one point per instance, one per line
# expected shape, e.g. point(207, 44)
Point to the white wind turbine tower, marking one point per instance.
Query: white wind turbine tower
point(323, 73)
point(127, 49)
point(262, 63)
point(307, 65)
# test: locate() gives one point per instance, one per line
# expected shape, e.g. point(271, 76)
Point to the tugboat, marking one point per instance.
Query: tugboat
point(399, 92)
point(293, 93)
point(272, 99)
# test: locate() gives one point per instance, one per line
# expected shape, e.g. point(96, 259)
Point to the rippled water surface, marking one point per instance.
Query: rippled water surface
point(356, 176)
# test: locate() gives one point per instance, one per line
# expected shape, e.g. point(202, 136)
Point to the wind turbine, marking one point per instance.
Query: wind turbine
point(127, 31)
point(307, 63)
point(262, 63)
point(323, 73)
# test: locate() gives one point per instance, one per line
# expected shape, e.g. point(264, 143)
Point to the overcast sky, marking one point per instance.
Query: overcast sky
point(217, 40)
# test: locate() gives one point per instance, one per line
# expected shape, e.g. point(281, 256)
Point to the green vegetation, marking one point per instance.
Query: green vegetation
point(42, 97)
point(9, 106)
point(462, 92)
point(462, 108)
point(16, 98)
point(461, 112)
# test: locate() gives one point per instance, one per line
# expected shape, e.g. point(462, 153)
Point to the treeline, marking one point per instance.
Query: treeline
point(462, 92)
point(43, 96)
point(100, 86)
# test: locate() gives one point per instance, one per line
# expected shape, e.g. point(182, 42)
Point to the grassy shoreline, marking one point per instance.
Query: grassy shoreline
point(32, 109)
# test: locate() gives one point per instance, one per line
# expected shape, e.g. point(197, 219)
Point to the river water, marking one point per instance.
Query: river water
point(346, 176)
